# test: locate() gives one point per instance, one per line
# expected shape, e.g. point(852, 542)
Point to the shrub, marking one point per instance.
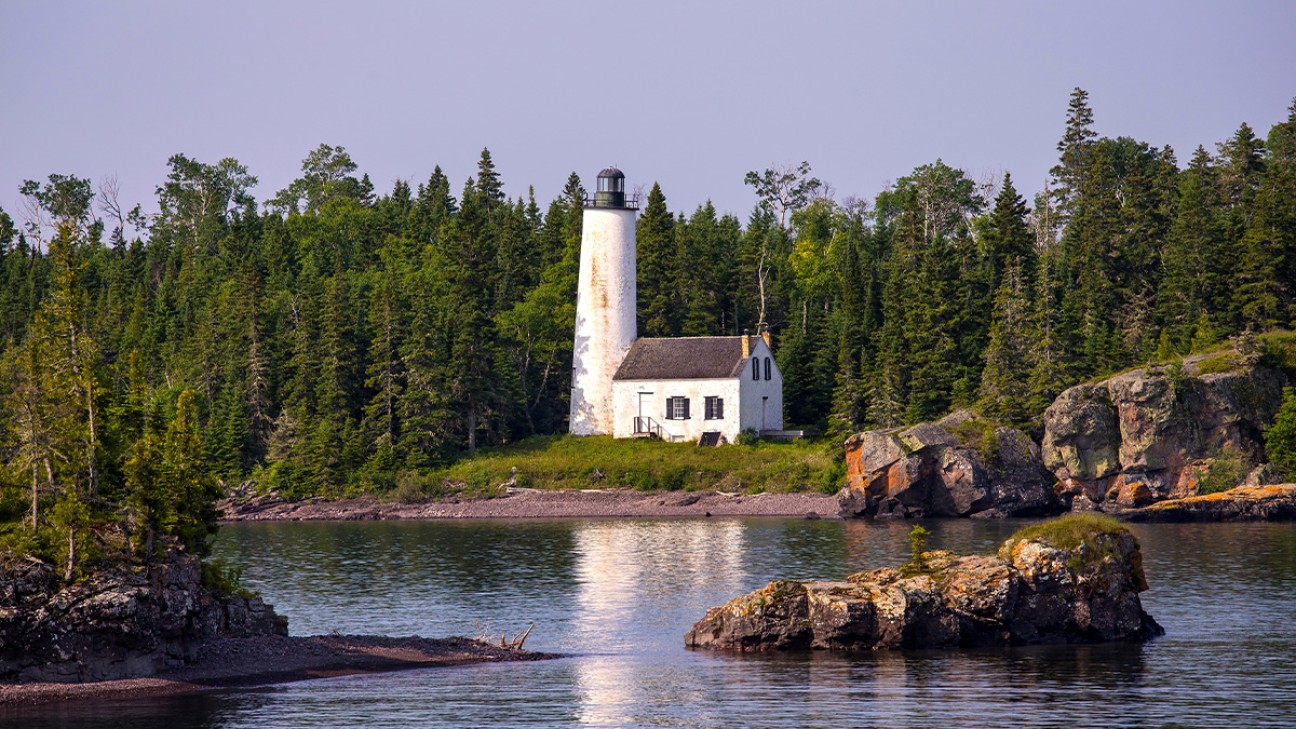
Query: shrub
point(1280, 351)
point(1223, 473)
point(832, 479)
point(1280, 436)
point(1227, 362)
point(224, 579)
point(980, 435)
point(286, 479)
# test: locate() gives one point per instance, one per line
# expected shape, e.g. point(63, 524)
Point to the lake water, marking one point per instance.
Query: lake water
point(618, 595)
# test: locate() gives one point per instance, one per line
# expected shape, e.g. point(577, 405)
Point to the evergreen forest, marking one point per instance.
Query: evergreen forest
point(329, 339)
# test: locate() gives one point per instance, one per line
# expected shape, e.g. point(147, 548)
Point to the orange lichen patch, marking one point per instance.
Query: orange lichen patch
point(1252, 493)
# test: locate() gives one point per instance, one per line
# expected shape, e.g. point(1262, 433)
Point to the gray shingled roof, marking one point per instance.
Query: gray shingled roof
point(683, 358)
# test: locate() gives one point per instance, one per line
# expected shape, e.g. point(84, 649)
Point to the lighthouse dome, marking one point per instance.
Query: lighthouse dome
point(610, 192)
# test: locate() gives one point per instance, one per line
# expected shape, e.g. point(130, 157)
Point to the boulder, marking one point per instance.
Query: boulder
point(1078, 582)
point(1147, 435)
point(926, 470)
point(117, 624)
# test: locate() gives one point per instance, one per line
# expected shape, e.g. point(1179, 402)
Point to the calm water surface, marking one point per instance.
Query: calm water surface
point(617, 596)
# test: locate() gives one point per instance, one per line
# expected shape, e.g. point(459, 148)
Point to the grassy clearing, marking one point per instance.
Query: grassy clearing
point(1227, 362)
point(568, 462)
point(1070, 531)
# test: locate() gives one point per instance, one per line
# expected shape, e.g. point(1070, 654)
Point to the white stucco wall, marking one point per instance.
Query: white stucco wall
point(762, 400)
point(626, 404)
point(745, 401)
point(605, 316)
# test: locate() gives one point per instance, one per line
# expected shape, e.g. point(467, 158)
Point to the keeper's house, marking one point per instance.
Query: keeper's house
point(680, 389)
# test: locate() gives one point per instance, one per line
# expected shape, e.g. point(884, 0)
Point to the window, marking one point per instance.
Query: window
point(767, 368)
point(677, 408)
point(755, 368)
point(714, 408)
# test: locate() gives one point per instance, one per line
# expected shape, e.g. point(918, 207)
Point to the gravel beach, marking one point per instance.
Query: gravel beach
point(537, 503)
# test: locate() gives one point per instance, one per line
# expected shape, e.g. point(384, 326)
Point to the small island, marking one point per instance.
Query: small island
point(1075, 579)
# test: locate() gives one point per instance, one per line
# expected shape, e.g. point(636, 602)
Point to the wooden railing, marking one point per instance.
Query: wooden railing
point(644, 425)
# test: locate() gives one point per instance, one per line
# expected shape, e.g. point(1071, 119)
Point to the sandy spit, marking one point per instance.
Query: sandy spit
point(537, 503)
point(245, 662)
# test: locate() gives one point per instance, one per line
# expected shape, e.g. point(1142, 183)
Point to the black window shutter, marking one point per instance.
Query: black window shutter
point(670, 408)
point(686, 407)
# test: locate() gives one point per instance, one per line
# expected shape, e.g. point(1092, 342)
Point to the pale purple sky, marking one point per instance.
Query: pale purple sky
point(690, 94)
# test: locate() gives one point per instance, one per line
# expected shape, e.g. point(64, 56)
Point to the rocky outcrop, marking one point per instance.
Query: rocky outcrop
point(1080, 587)
point(928, 470)
point(1244, 503)
point(1149, 435)
point(118, 624)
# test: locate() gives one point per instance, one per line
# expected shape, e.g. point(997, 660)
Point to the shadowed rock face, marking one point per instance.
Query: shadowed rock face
point(119, 624)
point(925, 471)
point(1141, 438)
point(1031, 593)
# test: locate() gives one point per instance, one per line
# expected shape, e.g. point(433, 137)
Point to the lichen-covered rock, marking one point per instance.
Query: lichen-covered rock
point(1081, 587)
point(925, 470)
point(1275, 502)
point(1147, 435)
point(117, 624)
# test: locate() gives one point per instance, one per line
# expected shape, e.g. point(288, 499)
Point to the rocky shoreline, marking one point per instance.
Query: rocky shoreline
point(268, 659)
point(539, 504)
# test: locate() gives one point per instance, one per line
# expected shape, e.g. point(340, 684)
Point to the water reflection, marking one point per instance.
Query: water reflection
point(620, 563)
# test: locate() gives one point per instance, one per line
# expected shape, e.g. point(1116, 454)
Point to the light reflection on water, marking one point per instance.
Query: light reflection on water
point(617, 597)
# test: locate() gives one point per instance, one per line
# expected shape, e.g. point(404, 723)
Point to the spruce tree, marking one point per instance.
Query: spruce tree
point(1194, 259)
point(1005, 381)
point(658, 279)
point(1074, 151)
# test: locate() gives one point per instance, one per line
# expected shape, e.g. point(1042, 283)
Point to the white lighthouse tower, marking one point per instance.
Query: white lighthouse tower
point(605, 303)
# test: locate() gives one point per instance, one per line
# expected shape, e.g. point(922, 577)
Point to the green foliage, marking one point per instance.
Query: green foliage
point(1224, 472)
point(1280, 351)
point(1228, 362)
point(1071, 531)
point(917, 564)
point(604, 462)
point(980, 435)
point(1280, 436)
point(833, 479)
point(224, 579)
point(1077, 531)
point(334, 340)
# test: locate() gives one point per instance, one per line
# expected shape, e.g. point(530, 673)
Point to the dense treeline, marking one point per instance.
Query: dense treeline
point(332, 338)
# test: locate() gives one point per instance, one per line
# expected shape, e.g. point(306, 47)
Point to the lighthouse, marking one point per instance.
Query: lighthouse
point(605, 303)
